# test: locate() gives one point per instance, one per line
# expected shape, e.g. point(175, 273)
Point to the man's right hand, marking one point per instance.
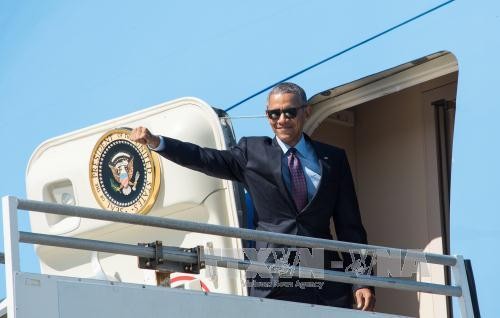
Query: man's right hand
point(143, 136)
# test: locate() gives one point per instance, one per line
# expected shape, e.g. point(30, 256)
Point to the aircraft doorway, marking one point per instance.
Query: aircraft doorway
point(399, 147)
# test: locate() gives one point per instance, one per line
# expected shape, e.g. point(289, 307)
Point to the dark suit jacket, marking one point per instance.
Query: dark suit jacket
point(256, 162)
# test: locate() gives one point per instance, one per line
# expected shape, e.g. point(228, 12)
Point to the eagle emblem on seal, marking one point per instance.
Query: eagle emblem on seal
point(122, 168)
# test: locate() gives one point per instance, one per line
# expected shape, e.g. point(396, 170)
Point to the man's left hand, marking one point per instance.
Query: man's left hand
point(365, 299)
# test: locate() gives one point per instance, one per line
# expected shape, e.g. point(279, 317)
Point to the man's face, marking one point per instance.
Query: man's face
point(289, 130)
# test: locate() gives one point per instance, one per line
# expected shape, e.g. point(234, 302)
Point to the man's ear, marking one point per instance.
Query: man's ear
point(308, 111)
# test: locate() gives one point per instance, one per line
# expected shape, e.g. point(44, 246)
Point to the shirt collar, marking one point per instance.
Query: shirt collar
point(301, 146)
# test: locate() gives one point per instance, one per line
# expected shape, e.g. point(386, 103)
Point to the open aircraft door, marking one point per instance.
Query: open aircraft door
point(397, 129)
point(99, 167)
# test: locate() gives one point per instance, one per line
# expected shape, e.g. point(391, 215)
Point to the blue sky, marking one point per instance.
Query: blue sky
point(65, 65)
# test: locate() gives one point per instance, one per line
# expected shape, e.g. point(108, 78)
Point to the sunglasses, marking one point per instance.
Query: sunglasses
point(290, 113)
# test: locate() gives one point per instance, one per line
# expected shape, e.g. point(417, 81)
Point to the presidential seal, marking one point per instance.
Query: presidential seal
point(124, 175)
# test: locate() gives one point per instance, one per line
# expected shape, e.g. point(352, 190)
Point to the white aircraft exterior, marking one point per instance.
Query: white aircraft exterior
point(408, 124)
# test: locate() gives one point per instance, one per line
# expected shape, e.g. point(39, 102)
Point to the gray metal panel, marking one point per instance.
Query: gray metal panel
point(45, 296)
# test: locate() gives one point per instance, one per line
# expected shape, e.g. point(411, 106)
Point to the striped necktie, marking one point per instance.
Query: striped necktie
point(297, 180)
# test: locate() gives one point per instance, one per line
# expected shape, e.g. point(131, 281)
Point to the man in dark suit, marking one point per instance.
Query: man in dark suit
point(296, 185)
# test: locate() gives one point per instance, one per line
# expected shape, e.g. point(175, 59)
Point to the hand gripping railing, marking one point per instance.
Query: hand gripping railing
point(12, 236)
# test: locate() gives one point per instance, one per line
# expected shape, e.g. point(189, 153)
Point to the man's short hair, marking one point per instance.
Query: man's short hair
point(289, 88)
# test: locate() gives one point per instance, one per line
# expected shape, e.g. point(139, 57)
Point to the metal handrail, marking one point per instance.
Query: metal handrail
point(214, 260)
point(246, 234)
point(12, 235)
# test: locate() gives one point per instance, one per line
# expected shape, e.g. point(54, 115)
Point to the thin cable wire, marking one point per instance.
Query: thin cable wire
point(339, 53)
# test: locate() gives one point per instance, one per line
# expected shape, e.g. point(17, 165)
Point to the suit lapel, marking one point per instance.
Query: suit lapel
point(325, 170)
point(275, 163)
